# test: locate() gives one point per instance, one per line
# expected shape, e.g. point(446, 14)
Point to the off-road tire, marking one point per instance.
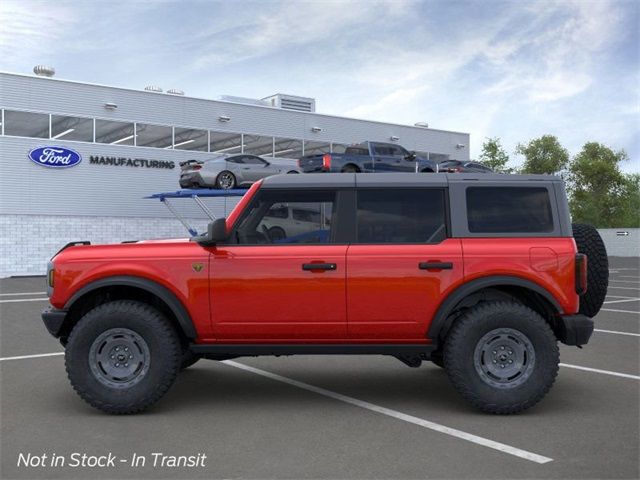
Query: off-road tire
point(590, 243)
point(188, 358)
point(165, 356)
point(469, 330)
point(437, 359)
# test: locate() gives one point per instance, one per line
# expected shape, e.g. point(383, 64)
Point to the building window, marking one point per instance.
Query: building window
point(338, 147)
point(71, 128)
point(157, 136)
point(115, 133)
point(316, 148)
point(190, 139)
point(26, 124)
point(509, 210)
point(258, 145)
point(287, 148)
point(225, 143)
point(401, 216)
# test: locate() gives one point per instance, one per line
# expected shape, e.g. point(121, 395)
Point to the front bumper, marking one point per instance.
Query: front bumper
point(575, 329)
point(54, 320)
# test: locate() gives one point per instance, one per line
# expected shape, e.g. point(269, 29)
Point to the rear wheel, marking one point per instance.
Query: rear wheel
point(122, 356)
point(225, 180)
point(590, 243)
point(350, 169)
point(276, 234)
point(501, 356)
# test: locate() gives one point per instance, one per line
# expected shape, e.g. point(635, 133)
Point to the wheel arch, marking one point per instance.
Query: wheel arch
point(493, 288)
point(351, 164)
point(133, 288)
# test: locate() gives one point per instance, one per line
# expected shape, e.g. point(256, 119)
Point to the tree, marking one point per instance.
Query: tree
point(494, 156)
point(601, 194)
point(543, 155)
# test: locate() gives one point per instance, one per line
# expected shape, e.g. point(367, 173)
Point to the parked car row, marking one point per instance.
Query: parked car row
point(241, 170)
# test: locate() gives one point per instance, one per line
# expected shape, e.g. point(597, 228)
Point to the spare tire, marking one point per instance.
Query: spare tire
point(590, 243)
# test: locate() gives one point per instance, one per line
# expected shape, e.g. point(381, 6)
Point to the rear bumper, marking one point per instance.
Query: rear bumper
point(54, 320)
point(575, 329)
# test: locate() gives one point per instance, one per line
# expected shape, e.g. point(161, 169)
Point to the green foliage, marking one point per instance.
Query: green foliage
point(494, 156)
point(543, 155)
point(601, 195)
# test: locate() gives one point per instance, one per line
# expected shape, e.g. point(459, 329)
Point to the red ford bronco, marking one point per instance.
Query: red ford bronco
point(480, 274)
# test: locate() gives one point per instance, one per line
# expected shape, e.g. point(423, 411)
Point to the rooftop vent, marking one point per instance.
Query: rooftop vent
point(153, 88)
point(244, 100)
point(175, 91)
point(292, 102)
point(44, 71)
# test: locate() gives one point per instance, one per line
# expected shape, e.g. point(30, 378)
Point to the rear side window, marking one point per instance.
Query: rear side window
point(509, 210)
point(401, 216)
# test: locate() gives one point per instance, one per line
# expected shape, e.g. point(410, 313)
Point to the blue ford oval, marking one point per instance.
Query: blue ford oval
point(55, 157)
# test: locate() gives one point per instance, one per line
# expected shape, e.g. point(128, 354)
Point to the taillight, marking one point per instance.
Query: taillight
point(326, 161)
point(299, 163)
point(581, 273)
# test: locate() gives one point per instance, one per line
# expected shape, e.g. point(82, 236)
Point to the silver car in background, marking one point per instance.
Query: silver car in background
point(231, 171)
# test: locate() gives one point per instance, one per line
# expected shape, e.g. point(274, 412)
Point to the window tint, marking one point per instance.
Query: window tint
point(190, 139)
point(157, 136)
point(357, 151)
point(509, 209)
point(401, 216)
point(239, 159)
point(115, 133)
point(250, 159)
point(26, 124)
point(72, 128)
point(268, 220)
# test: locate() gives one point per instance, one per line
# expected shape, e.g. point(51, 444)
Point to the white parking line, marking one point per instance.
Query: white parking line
point(618, 311)
point(18, 300)
point(24, 357)
point(485, 442)
point(616, 332)
point(21, 293)
point(597, 370)
point(620, 301)
point(623, 288)
point(624, 281)
point(617, 296)
point(635, 277)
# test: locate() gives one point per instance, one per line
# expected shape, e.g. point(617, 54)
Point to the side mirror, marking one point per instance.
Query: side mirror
point(216, 233)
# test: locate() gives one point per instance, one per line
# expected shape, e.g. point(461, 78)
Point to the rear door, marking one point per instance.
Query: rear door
point(280, 281)
point(401, 265)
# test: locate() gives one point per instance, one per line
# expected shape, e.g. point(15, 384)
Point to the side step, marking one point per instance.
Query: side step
point(421, 350)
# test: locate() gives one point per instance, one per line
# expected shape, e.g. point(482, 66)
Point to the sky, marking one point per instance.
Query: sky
point(509, 69)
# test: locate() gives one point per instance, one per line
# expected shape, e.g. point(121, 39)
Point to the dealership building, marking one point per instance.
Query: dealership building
point(127, 144)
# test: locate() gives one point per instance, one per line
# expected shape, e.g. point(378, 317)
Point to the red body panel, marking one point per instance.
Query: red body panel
point(389, 297)
point(547, 262)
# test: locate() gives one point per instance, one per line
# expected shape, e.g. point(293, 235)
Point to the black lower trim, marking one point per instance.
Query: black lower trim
point(574, 329)
point(54, 319)
point(250, 350)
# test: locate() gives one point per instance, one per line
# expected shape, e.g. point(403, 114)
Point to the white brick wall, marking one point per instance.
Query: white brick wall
point(27, 242)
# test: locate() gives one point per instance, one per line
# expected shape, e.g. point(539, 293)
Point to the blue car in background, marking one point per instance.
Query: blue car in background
point(368, 157)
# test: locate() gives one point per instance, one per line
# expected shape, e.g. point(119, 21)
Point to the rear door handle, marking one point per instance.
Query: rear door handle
point(435, 265)
point(319, 266)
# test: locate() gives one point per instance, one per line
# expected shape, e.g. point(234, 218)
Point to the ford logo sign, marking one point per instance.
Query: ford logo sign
point(55, 157)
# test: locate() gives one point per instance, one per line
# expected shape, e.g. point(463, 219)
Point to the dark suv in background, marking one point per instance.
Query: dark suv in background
point(459, 166)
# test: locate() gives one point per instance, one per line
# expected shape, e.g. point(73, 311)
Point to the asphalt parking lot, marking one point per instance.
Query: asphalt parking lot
point(325, 417)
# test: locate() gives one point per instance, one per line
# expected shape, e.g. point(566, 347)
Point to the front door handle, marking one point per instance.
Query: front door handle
point(319, 266)
point(435, 265)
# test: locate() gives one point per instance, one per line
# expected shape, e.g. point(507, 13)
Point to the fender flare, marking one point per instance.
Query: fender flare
point(154, 288)
point(441, 321)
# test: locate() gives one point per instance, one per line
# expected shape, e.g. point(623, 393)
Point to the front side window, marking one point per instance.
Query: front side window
point(268, 220)
point(509, 210)
point(401, 216)
point(251, 160)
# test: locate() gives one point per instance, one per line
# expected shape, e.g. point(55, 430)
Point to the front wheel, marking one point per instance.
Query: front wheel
point(122, 356)
point(501, 356)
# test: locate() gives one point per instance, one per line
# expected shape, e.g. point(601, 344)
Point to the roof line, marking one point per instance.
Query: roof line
point(148, 92)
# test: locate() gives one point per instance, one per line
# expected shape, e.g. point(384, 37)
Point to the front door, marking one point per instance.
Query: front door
point(280, 280)
point(401, 265)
